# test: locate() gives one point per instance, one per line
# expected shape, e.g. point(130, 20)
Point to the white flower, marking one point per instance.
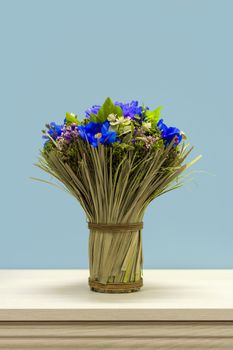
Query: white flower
point(111, 117)
point(121, 121)
point(146, 126)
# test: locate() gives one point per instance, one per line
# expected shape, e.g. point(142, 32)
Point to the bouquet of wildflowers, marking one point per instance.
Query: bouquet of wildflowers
point(115, 161)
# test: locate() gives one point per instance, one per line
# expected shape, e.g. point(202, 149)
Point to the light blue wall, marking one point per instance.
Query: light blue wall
point(59, 56)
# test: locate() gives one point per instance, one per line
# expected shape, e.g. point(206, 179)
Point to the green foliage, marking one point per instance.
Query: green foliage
point(127, 138)
point(107, 108)
point(153, 116)
point(71, 118)
point(48, 146)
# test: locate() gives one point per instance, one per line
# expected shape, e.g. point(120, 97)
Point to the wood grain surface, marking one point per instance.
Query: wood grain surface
point(116, 335)
point(177, 309)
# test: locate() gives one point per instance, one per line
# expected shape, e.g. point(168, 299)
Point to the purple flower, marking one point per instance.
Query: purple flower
point(69, 133)
point(94, 110)
point(169, 133)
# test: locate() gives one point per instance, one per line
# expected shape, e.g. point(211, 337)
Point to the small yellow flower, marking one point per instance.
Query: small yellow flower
point(112, 117)
point(146, 126)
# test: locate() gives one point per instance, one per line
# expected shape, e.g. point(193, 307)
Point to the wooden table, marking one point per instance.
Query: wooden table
point(176, 309)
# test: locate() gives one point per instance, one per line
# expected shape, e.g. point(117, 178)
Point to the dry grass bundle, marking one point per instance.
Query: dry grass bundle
point(113, 192)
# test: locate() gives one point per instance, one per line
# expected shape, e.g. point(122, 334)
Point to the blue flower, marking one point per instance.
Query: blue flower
point(54, 130)
point(94, 110)
point(130, 109)
point(96, 133)
point(169, 133)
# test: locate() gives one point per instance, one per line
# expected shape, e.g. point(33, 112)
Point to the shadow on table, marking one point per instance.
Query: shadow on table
point(80, 291)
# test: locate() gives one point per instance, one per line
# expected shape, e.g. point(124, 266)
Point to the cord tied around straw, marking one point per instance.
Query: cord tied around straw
point(126, 227)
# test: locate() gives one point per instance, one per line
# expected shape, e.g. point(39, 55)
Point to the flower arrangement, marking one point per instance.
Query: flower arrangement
point(115, 161)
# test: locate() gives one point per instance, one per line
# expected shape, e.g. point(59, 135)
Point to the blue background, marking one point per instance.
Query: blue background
point(59, 56)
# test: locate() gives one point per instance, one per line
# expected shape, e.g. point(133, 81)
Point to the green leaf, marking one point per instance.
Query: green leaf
point(107, 108)
point(153, 116)
point(127, 138)
point(92, 118)
point(132, 128)
point(71, 118)
point(125, 130)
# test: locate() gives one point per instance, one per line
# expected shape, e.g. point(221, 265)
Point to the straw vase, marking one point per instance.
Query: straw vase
point(115, 258)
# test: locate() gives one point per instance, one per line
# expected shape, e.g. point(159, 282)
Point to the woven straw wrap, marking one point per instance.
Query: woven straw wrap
point(115, 287)
point(115, 227)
